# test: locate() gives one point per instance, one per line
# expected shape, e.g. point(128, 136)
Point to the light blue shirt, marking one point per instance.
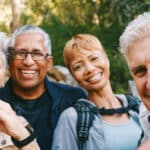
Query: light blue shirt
point(65, 136)
point(122, 137)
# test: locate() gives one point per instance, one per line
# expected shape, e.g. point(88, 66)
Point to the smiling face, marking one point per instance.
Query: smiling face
point(91, 69)
point(28, 73)
point(139, 64)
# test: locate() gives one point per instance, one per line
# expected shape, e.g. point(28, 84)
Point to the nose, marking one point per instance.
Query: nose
point(148, 80)
point(28, 60)
point(89, 67)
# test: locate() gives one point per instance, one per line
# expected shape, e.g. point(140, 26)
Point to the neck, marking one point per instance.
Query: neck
point(104, 98)
point(29, 93)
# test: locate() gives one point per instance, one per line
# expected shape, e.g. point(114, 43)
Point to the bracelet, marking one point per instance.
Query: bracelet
point(27, 140)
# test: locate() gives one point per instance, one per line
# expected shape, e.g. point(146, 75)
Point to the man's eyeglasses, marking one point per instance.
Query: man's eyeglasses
point(20, 55)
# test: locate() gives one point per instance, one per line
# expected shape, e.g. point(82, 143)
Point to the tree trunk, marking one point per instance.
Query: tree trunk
point(17, 8)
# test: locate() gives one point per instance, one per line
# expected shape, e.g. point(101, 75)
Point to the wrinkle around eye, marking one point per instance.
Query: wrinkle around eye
point(94, 59)
point(76, 68)
point(141, 74)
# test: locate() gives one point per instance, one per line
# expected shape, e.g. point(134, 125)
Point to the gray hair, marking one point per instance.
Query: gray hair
point(3, 59)
point(136, 29)
point(3, 41)
point(31, 28)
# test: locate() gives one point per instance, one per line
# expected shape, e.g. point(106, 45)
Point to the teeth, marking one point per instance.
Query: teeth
point(95, 77)
point(28, 71)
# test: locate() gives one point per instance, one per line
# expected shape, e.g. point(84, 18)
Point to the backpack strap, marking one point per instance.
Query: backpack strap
point(133, 102)
point(86, 113)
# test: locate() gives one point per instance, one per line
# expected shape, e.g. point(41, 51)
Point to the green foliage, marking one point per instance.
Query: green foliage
point(119, 72)
point(4, 28)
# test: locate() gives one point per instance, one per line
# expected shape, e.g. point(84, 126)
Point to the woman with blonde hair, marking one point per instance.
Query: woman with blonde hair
point(87, 61)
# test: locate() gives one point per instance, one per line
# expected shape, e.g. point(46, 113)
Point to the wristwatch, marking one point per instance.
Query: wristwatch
point(27, 140)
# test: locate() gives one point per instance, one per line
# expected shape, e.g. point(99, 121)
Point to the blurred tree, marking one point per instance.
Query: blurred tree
point(5, 17)
point(17, 7)
point(120, 12)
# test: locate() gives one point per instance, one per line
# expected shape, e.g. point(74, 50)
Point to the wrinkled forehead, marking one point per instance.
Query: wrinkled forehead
point(137, 48)
point(27, 35)
point(29, 41)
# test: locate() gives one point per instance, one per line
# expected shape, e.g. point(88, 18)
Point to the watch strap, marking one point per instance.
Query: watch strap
point(27, 140)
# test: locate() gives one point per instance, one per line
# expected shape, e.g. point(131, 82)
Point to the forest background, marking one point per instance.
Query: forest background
point(106, 19)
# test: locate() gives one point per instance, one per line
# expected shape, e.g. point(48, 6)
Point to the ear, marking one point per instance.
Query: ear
point(49, 63)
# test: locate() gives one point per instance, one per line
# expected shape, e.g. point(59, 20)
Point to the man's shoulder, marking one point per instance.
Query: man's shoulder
point(5, 92)
point(64, 94)
point(5, 88)
point(64, 87)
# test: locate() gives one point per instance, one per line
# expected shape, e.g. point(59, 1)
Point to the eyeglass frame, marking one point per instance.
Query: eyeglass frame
point(12, 52)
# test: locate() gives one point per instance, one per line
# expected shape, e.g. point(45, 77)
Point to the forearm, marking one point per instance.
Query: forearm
point(31, 146)
point(26, 140)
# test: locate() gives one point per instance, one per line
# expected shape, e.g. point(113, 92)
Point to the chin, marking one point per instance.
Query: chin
point(28, 85)
point(94, 88)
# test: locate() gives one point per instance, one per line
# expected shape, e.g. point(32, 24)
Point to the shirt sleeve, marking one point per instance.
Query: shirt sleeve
point(65, 136)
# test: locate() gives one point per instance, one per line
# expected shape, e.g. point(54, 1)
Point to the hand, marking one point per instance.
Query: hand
point(14, 126)
point(10, 123)
point(31, 146)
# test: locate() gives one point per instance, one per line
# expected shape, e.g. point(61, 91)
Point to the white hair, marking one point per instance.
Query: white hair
point(31, 28)
point(136, 29)
point(3, 41)
point(3, 59)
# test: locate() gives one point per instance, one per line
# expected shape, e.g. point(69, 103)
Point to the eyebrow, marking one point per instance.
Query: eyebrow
point(77, 62)
point(26, 50)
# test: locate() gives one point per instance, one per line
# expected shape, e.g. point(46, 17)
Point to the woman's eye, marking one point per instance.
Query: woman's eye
point(94, 58)
point(77, 67)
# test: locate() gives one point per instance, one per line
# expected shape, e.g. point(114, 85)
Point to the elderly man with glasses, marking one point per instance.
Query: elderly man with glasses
point(28, 91)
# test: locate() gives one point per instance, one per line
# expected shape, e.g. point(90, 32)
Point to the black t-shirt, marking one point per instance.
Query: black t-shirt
point(37, 112)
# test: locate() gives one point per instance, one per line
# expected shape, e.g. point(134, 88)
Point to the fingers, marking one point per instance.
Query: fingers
point(9, 122)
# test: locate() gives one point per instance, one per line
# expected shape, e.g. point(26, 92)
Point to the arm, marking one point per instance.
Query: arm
point(13, 126)
point(65, 137)
point(32, 146)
